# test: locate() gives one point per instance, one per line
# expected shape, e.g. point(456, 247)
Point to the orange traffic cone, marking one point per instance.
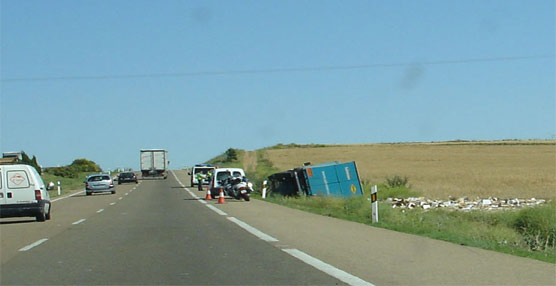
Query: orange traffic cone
point(221, 197)
point(208, 197)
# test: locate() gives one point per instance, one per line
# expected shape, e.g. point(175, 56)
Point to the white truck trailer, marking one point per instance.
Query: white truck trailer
point(154, 163)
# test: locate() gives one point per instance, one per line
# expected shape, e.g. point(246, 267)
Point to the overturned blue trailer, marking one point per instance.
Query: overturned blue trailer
point(328, 179)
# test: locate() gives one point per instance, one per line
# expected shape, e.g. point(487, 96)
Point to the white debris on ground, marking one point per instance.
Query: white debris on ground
point(464, 203)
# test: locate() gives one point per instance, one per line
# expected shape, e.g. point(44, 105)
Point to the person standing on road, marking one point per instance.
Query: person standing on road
point(200, 177)
point(209, 176)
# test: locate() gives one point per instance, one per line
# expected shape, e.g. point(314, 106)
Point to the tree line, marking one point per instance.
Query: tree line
point(69, 171)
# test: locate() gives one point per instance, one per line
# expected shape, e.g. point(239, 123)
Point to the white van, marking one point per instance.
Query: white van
point(23, 193)
point(221, 174)
point(203, 169)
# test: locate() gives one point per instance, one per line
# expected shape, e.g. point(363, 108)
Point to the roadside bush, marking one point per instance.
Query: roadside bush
point(538, 226)
point(397, 181)
point(84, 165)
point(65, 172)
point(385, 191)
point(231, 155)
point(74, 169)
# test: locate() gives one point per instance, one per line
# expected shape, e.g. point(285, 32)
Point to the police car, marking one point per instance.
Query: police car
point(203, 169)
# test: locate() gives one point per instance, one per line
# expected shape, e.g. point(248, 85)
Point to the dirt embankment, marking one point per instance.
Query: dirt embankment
point(250, 161)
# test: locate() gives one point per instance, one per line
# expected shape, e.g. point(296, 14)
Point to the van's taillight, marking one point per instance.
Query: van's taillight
point(38, 195)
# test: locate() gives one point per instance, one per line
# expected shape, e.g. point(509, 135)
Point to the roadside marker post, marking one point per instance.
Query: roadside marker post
point(374, 204)
point(59, 190)
point(264, 189)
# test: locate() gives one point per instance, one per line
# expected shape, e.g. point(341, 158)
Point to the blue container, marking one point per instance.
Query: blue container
point(333, 179)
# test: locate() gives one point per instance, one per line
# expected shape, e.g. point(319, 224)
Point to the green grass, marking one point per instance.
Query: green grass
point(400, 192)
point(262, 171)
point(488, 230)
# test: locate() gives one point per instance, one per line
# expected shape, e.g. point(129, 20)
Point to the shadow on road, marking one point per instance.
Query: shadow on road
point(18, 221)
point(215, 200)
point(97, 194)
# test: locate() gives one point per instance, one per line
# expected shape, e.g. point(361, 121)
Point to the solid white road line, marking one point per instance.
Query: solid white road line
point(215, 209)
point(65, 197)
point(253, 230)
point(327, 268)
point(183, 186)
point(189, 191)
point(33, 244)
point(79, 221)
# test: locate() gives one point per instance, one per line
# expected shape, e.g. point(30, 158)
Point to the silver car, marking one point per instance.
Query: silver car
point(99, 184)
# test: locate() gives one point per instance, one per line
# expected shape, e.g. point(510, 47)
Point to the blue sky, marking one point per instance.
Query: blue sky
point(103, 79)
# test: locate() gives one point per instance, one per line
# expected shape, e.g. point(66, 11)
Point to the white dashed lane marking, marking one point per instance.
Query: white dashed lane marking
point(79, 221)
point(33, 244)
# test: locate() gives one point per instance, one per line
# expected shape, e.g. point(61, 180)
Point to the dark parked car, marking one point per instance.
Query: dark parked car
point(127, 177)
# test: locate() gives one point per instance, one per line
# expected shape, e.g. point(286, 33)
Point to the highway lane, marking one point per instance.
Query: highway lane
point(16, 233)
point(157, 234)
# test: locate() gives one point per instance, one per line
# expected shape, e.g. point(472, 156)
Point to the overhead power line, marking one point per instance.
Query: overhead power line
point(276, 70)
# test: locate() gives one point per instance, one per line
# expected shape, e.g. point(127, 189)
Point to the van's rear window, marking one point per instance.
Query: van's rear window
point(17, 179)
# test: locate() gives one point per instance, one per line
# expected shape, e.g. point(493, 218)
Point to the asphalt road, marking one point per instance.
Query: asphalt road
point(164, 233)
point(154, 234)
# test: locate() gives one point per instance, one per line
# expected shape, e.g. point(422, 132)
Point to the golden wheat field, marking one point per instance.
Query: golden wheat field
point(504, 169)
